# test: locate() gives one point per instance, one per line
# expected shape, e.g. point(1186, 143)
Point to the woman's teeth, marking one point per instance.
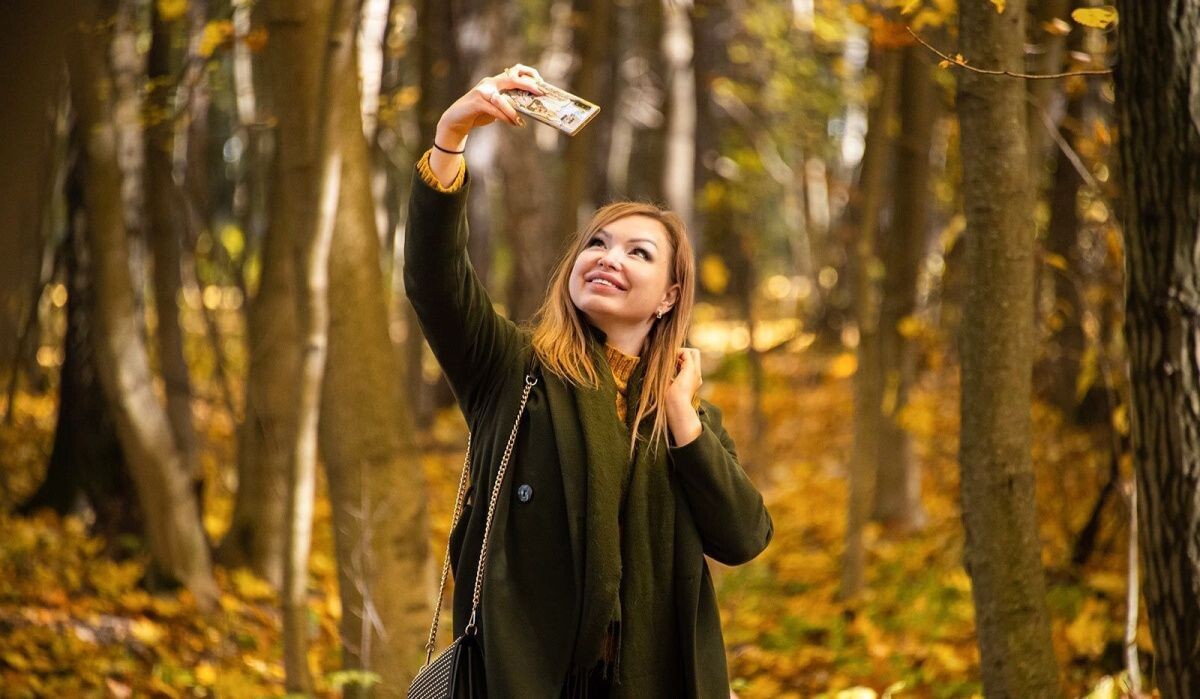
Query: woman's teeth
point(604, 282)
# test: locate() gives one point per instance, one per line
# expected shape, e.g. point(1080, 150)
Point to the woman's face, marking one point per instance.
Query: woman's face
point(633, 258)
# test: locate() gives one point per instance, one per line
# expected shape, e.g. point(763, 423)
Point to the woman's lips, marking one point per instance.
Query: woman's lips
point(600, 285)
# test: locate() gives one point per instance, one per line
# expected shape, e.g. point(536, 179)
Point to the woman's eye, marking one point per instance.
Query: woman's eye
point(594, 240)
point(645, 255)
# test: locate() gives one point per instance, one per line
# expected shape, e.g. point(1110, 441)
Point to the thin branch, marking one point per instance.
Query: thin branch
point(1066, 148)
point(1028, 76)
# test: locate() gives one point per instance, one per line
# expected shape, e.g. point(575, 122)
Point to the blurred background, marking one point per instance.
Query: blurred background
point(163, 164)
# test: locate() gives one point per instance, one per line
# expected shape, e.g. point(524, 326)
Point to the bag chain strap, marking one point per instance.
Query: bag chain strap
point(530, 380)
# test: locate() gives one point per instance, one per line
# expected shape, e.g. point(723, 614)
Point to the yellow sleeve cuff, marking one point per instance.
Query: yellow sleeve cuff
point(432, 180)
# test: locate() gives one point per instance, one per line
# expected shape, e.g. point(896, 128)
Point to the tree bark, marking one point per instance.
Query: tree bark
point(174, 536)
point(268, 430)
point(376, 485)
point(1002, 546)
point(645, 78)
point(312, 279)
point(868, 379)
point(1158, 109)
point(86, 460)
point(166, 239)
point(898, 475)
point(593, 23)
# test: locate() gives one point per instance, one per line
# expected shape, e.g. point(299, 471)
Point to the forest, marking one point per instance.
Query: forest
point(948, 300)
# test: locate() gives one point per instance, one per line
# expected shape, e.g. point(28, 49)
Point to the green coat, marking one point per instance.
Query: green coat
point(531, 595)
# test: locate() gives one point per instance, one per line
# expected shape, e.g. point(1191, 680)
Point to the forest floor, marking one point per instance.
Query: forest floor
point(75, 622)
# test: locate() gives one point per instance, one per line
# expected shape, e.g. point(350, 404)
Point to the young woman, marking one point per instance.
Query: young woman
point(620, 480)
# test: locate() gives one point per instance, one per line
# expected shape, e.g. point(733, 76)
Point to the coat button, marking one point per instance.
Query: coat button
point(525, 493)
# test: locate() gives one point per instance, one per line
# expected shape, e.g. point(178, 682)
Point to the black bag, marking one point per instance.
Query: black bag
point(457, 673)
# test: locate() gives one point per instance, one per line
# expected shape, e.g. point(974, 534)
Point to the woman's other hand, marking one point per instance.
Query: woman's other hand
point(687, 377)
point(682, 419)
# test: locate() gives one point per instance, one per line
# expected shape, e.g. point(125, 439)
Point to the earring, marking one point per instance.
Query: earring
point(660, 315)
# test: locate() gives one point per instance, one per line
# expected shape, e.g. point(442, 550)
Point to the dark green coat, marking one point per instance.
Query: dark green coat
point(531, 596)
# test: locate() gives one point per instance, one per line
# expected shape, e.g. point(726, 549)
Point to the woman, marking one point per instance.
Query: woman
point(620, 480)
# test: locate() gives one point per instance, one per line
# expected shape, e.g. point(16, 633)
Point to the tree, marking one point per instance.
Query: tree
point(1156, 100)
point(376, 485)
point(173, 533)
point(868, 379)
point(256, 533)
point(1002, 547)
point(902, 250)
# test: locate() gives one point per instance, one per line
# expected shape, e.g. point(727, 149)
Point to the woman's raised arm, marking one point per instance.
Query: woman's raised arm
point(470, 340)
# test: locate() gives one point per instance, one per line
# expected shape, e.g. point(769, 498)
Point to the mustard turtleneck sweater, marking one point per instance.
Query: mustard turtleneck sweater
point(622, 368)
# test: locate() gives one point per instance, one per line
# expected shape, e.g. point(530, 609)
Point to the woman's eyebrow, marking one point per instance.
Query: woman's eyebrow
point(632, 240)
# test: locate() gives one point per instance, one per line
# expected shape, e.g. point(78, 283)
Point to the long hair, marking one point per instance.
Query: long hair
point(560, 339)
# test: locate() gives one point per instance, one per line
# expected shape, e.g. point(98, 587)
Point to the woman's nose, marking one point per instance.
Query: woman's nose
point(611, 258)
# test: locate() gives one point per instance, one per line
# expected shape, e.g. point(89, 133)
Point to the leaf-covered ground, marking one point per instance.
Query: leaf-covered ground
point(74, 622)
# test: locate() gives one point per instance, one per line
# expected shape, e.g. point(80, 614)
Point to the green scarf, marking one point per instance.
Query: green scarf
point(628, 563)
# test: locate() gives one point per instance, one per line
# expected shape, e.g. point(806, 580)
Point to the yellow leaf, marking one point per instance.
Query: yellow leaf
point(944, 64)
point(1055, 260)
point(251, 587)
point(147, 631)
point(843, 366)
point(215, 33)
point(909, 326)
point(1097, 17)
point(999, 6)
point(206, 674)
point(16, 661)
point(714, 275)
point(910, 7)
point(1088, 633)
point(169, 10)
point(1056, 27)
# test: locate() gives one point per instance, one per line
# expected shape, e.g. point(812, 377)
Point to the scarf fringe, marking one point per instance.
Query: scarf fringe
point(607, 667)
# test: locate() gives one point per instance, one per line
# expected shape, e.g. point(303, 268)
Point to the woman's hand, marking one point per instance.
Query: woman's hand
point(483, 104)
point(687, 378)
point(682, 419)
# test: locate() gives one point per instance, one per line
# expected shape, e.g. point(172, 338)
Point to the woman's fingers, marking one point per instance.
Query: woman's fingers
point(497, 104)
point(522, 69)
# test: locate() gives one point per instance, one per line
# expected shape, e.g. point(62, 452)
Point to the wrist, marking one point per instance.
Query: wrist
point(679, 406)
point(450, 138)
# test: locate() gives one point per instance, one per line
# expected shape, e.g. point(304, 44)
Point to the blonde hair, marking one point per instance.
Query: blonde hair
point(560, 338)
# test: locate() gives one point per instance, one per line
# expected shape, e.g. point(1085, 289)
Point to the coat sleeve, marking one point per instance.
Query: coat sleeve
point(729, 511)
point(472, 342)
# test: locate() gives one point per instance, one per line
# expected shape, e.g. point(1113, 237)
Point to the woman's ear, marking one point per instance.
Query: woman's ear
point(671, 296)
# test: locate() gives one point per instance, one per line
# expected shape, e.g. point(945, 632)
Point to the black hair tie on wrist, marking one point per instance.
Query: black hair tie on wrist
point(451, 152)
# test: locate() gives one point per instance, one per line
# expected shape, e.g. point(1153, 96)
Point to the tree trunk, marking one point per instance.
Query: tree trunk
point(644, 80)
point(443, 76)
point(1158, 107)
point(312, 279)
point(86, 460)
point(593, 24)
point(174, 536)
point(898, 475)
point(166, 238)
point(1003, 553)
point(868, 379)
point(268, 430)
point(375, 480)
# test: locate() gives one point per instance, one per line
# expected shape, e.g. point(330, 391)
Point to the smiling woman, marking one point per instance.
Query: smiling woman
point(602, 537)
